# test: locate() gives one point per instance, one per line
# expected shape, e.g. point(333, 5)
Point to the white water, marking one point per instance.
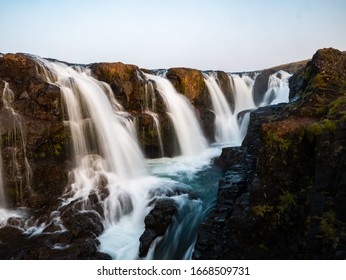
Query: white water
point(190, 137)
point(230, 130)
point(107, 156)
point(226, 126)
point(103, 139)
point(278, 90)
point(243, 97)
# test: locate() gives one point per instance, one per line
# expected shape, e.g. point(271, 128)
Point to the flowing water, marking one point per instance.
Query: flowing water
point(107, 156)
point(16, 145)
point(278, 90)
point(190, 137)
point(226, 125)
point(230, 128)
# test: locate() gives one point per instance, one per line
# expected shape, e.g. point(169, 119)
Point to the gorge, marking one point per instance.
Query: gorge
point(112, 161)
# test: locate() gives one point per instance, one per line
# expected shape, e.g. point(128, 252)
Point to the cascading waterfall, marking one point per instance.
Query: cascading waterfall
point(106, 153)
point(230, 129)
point(243, 87)
point(110, 165)
point(188, 131)
point(278, 90)
point(243, 99)
point(226, 126)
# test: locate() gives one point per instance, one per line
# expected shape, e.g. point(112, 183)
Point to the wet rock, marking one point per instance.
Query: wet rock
point(83, 224)
point(34, 140)
point(157, 223)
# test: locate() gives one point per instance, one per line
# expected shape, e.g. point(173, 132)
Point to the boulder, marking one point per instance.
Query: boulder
point(156, 223)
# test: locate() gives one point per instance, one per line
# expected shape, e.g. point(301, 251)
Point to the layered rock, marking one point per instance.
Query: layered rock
point(293, 203)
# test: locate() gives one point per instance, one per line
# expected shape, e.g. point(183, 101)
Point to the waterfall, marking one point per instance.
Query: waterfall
point(108, 160)
point(243, 87)
point(230, 129)
point(16, 139)
point(226, 126)
point(188, 131)
point(158, 129)
point(278, 90)
point(150, 109)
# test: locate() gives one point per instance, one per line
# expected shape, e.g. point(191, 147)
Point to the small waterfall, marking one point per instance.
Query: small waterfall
point(226, 126)
point(278, 90)
point(158, 129)
point(243, 87)
point(16, 140)
point(188, 131)
point(150, 109)
point(230, 129)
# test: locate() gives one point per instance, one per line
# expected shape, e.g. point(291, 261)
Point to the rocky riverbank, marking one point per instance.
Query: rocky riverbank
point(283, 195)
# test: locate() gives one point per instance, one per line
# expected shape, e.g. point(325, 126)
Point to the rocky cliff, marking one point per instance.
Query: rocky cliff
point(283, 195)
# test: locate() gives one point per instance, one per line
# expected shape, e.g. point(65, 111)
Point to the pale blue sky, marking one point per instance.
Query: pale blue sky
point(233, 35)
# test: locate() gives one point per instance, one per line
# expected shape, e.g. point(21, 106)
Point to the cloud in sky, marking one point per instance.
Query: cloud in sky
point(230, 35)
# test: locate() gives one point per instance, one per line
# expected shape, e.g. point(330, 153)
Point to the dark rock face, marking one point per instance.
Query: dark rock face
point(157, 223)
point(47, 246)
point(213, 241)
point(35, 131)
point(292, 203)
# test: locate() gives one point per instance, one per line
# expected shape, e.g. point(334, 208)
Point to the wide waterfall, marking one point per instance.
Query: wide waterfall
point(189, 134)
point(109, 168)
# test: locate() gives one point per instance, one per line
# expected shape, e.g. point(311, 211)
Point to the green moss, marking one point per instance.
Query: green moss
point(337, 106)
point(274, 140)
point(314, 129)
point(57, 149)
point(319, 81)
point(307, 73)
point(327, 225)
point(54, 146)
point(285, 200)
point(262, 209)
point(317, 129)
